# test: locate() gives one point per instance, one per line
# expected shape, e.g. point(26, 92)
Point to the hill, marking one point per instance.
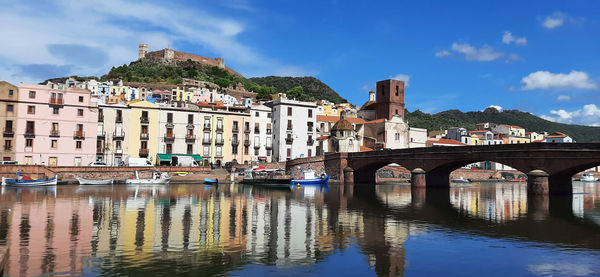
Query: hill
point(312, 87)
point(456, 118)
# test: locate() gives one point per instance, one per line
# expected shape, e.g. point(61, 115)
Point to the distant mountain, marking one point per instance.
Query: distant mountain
point(312, 87)
point(456, 118)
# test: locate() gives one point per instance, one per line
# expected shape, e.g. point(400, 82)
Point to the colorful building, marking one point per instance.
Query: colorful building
point(8, 119)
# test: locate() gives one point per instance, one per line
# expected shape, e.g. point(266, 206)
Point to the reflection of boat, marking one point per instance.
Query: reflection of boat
point(157, 178)
point(26, 181)
point(261, 176)
point(181, 173)
point(461, 180)
point(308, 178)
point(588, 177)
point(83, 181)
point(211, 181)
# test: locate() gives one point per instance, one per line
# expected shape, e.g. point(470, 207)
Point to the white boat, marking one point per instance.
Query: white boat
point(461, 180)
point(157, 179)
point(588, 177)
point(83, 181)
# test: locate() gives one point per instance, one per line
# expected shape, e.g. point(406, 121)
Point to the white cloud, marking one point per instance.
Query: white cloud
point(498, 108)
point(588, 115)
point(508, 38)
point(366, 87)
point(97, 24)
point(563, 98)
point(402, 77)
point(442, 53)
point(548, 80)
point(555, 20)
point(484, 54)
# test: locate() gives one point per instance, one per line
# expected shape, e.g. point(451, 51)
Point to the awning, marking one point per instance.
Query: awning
point(167, 157)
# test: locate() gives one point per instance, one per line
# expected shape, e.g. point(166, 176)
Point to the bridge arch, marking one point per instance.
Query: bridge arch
point(440, 176)
point(367, 173)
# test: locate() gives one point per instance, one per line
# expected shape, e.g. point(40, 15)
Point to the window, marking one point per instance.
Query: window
point(30, 109)
point(80, 98)
point(310, 150)
point(79, 112)
point(289, 111)
point(245, 150)
point(397, 90)
point(10, 92)
point(310, 113)
point(30, 127)
point(7, 145)
point(54, 144)
point(31, 94)
point(268, 115)
point(219, 123)
point(190, 119)
point(29, 143)
point(289, 153)
point(78, 144)
point(170, 117)
point(190, 149)
point(289, 125)
point(8, 125)
point(256, 114)
point(219, 151)
point(396, 111)
point(144, 129)
point(118, 145)
point(169, 148)
point(55, 110)
point(206, 151)
point(256, 152)
point(383, 90)
point(10, 108)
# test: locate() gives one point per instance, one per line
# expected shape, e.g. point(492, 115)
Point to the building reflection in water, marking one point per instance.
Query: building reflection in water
point(107, 229)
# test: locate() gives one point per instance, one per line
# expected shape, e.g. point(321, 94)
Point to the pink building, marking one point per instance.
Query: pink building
point(204, 95)
point(56, 126)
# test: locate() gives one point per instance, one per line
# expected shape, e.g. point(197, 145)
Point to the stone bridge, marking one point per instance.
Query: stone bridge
point(549, 166)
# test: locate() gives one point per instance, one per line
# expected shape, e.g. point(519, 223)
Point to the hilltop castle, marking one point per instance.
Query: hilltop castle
point(170, 56)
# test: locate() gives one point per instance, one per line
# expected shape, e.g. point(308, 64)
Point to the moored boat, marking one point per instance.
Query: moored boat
point(83, 181)
point(26, 181)
point(461, 180)
point(157, 179)
point(271, 178)
point(211, 181)
point(588, 177)
point(308, 178)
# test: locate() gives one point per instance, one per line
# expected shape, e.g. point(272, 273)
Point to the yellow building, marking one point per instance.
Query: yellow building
point(180, 94)
point(143, 127)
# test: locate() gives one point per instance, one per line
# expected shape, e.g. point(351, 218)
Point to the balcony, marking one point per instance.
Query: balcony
point(310, 141)
point(100, 118)
point(256, 146)
point(119, 120)
point(190, 138)
point(30, 133)
point(56, 101)
point(144, 136)
point(118, 135)
point(9, 132)
point(269, 131)
point(289, 128)
point(169, 138)
point(169, 124)
point(247, 130)
point(79, 135)
point(7, 147)
point(101, 134)
point(99, 150)
point(55, 133)
point(289, 140)
point(207, 127)
point(235, 142)
point(118, 151)
point(246, 142)
point(236, 129)
point(219, 141)
point(144, 120)
point(310, 129)
point(206, 141)
point(190, 125)
point(269, 146)
point(257, 130)
point(220, 127)
point(144, 152)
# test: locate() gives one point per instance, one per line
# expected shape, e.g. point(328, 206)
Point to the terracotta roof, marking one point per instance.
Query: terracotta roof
point(482, 131)
point(342, 124)
point(539, 140)
point(381, 120)
point(513, 126)
point(446, 141)
point(364, 148)
point(330, 118)
point(323, 138)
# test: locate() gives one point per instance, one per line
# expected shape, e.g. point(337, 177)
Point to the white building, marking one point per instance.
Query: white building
point(262, 133)
point(417, 136)
point(558, 137)
point(294, 131)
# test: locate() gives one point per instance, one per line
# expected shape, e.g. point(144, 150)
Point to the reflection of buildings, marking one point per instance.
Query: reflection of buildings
point(499, 202)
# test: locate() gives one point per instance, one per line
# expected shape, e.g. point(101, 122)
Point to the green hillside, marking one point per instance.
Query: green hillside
point(313, 87)
point(456, 118)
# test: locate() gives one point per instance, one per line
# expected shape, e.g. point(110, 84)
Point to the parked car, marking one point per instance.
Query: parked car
point(97, 163)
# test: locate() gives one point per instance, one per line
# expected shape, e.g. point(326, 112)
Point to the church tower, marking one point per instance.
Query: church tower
point(390, 99)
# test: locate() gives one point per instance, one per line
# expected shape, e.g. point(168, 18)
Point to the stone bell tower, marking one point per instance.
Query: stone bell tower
point(390, 99)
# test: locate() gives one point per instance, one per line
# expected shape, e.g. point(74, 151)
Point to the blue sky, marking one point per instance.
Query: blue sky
point(537, 56)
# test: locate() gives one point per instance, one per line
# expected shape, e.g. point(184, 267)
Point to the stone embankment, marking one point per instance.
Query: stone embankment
point(3, 258)
point(67, 174)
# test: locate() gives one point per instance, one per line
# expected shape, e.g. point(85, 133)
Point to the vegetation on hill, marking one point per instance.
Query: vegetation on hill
point(456, 118)
point(313, 88)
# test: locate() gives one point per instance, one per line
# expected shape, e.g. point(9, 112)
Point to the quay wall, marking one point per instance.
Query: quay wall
point(294, 167)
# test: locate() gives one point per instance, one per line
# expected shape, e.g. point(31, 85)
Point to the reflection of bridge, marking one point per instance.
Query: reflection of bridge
point(549, 166)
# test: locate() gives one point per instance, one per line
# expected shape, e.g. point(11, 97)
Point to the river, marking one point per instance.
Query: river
point(489, 229)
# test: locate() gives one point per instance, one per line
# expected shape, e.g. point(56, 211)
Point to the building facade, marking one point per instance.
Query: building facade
point(293, 129)
point(8, 119)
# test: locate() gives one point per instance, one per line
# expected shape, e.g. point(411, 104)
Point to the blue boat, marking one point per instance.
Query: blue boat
point(25, 181)
point(310, 179)
point(211, 181)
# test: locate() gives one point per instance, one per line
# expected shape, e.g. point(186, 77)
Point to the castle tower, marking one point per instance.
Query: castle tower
point(221, 62)
point(390, 99)
point(142, 51)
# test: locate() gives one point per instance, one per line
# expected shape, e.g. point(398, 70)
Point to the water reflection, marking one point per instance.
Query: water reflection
point(155, 230)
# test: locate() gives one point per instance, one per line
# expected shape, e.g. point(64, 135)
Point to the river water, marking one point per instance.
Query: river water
point(476, 230)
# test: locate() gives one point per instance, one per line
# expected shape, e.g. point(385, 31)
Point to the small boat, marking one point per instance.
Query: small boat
point(461, 180)
point(211, 181)
point(83, 181)
point(588, 177)
point(181, 173)
point(308, 178)
point(26, 181)
point(157, 179)
point(270, 178)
